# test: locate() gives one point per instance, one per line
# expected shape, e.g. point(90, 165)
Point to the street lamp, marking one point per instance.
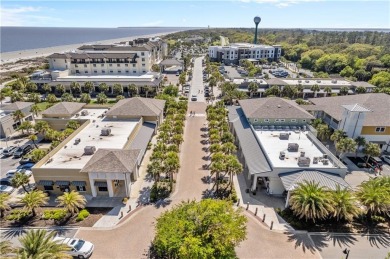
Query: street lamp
point(346, 252)
point(257, 20)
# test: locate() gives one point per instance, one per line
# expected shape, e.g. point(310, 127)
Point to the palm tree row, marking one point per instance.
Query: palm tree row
point(221, 148)
point(312, 202)
point(31, 201)
point(165, 156)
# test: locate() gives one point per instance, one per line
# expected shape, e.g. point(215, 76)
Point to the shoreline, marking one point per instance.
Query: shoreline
point(14, 56)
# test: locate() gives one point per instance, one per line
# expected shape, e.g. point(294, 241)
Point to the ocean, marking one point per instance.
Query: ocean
point(26, 38)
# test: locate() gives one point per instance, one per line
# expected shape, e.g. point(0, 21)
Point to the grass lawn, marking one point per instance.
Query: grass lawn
point(42, 105)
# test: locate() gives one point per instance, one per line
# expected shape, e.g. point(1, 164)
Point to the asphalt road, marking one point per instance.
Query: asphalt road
point(197, 85)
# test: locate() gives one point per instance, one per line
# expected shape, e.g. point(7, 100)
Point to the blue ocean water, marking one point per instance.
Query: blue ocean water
point(24, 38)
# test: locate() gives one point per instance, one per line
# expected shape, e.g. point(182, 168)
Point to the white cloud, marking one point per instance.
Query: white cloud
point(24, 16)
point(279, 3)
point(154, 23)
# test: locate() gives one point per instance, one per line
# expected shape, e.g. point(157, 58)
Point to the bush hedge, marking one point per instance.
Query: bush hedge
point(18, 214)
point(83, 214)
point(56, 214)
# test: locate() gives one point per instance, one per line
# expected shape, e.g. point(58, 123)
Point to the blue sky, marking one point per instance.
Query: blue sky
point(233, 13)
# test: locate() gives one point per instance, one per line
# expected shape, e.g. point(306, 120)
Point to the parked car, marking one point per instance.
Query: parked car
point(5, 181)
point(6, 189)
point(194, 97)
point(78, 247)
point(9, 151)
point(21, 151)
point(25, 160)
point(11, 173)
point(177, 73)
point(206, 94)
point(386, 158)
point(27, 166)
point(375, 161)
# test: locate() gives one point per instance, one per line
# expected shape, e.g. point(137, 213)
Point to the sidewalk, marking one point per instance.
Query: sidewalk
point(140, 192)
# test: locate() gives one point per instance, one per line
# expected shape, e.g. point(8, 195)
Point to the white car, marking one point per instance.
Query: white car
point(11, 173)
point(6, 189)
point(78, 247)
point(386, 158)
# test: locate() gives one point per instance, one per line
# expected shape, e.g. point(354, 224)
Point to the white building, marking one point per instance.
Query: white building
point(237, 51)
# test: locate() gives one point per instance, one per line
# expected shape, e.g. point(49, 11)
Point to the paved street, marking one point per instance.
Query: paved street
point(197, 86)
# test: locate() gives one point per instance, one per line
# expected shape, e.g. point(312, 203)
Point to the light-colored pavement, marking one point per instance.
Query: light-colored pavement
point(197, 85)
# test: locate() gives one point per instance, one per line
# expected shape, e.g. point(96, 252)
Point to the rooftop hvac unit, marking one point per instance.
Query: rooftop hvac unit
point(304, 161)
point(325, 156)
point(302, 153)
point(325, 161)
point(106, 132)
point(84, 113)
point(282, 155)
point(293, 147)
point(284, 136)
point(315, 160)
point(89, 150)
point(334, 81)
point(77, 140)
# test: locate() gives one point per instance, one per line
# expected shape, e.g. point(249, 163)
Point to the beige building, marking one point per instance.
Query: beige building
point(101, 158)
point(8, 125)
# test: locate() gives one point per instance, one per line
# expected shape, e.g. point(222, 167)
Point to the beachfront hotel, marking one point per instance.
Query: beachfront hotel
point(102, 156)
point(233, 53)
point(278, 149)
point(124, 63)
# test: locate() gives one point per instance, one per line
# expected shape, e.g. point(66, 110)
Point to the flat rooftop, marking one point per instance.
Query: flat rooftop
point(71, 156)
point(320, 82)
point(144, 77)
point(273, 145)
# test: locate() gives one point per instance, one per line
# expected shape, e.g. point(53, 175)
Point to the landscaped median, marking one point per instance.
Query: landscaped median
point(165, 159)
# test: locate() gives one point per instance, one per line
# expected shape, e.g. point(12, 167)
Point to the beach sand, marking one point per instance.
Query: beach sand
point(11, 57)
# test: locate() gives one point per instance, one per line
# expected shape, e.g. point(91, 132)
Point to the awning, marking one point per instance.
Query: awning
point(142, 138)
point(379, 142)
point(63, 183)
point(291, 180)
point(101, 184)
point(45, 183)
point(79, 183)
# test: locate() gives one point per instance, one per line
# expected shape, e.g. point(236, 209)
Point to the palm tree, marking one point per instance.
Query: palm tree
point(148, 89)
point(299, 88)
point(72, 201)
point(344, 90)
point(103, 87)
point(344, 203)
point(26, 125)
point(154, 168)
point(67, 97)
point(35, 109)
point(323, 132)
point(133, 89)
point(33, 138)
point(31, 87)
point(215, 169)
point(33, 200)
point(361, 90)
point(41, 127)
point(72, 124)
point(37, 244)
point(177, 139)
point(38, 154)
point(274, 90)
point(88, 87)
point(337, 136)
point(20, 179)
point(371, 149)
point(346, 145)
point(311, 201)
point(46, 88)
point(6, 249)
point(252, 88)
point(171, 165)
point(101, 98)
point(327, 90)
point(374, 195)
point(51, 98)
point(85, 98)
point(315, 88)
point(60, 88)
point(360, 142)
point(228, 148)
point(4, 197)
point(18, 115)
point(74, 88)
point(232, 167)
point(117, 89)
point(214, 148)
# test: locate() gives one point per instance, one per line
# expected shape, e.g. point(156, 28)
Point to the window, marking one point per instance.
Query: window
point(134, 72)
point(65, 61)
point(143, 71)
point(102, 189)
point(85, 65)
point(280, 120)
point(76, 65)
point(126, 65)
point(80, 188)
point(127, 71)
point(142, 53)
point(48, 187)
point(77, 71)
point(111, 71)
point(266, 120)
point(143, 59)
point(303, 120)
point(86, 72)
point(118, 65)
point(255, 120)
point(102, 65)
point(143, 65)
point(293, 120)
point(133, 65)
point(94, 65)
point(380, 129)
point(95, 71)
point(119, 71)
point(110, 65)
point(103, 71)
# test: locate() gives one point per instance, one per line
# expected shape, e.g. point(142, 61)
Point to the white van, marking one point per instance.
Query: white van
point(78, 247)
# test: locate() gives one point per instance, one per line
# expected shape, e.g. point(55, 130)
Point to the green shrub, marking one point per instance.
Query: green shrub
point(159, 191)
point(83, 214)
point(56, 214)
point(18, 214)
point(182, 98)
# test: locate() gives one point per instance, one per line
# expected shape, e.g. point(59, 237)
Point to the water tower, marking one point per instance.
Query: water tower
point(257, 20)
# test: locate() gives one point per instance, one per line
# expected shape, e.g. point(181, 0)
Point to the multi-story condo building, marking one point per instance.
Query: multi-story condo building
point(125, 63)
point(8, 125)
point(235, 52)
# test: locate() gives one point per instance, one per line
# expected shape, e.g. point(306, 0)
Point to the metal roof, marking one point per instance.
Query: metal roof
point(79, 183)
point(143, 137)
point(45, 183)
point(254, 156)
point(355, 108)
point(292, 179)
